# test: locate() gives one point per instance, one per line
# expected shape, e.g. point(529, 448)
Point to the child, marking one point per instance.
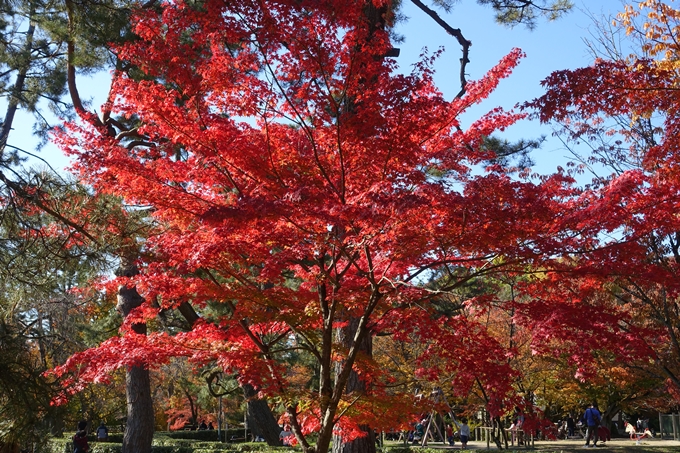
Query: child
point(464, 433)
point(449, 435)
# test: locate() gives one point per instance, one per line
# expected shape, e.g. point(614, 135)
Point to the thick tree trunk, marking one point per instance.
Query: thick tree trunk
point(139, 427)
point(610, 410)
point(260, 417)
point(140, 418)
point(366, 443)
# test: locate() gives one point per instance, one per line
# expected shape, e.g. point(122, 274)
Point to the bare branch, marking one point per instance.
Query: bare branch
point(456, 33)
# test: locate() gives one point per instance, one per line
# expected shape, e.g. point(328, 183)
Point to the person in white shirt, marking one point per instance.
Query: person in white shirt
point(464, 433)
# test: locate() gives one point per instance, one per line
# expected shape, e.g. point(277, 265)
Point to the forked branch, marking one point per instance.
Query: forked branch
point(456, 33)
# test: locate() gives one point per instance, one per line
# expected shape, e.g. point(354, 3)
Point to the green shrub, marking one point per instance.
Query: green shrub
point(116, 438)
point(216, 448)
point(207, 435)
point(65, 445)
point(171, 442)
point(257, 447)
point(397, 449)
point(106, 447)
point(171, 449)
point(165, 441)
point(59, 445)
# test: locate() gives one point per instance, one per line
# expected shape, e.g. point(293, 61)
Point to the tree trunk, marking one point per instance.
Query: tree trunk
point(498, 433)
point(376, 19)
point(610, 410)
point(139, 428)
point(24, 65)
point(366, 443)
point(140, 418)
point(260, 417)
point(193, 409)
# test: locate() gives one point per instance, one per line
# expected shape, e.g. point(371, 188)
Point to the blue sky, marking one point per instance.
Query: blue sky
point(550, 46)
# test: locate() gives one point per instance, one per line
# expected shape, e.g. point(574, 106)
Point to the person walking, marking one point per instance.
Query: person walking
point(592, 420)
point(80, 444)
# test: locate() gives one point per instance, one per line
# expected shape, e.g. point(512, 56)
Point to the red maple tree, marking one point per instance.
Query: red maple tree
point(626, 279)
point(308, 189)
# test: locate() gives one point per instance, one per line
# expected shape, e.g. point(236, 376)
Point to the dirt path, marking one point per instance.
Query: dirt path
point(618, 445)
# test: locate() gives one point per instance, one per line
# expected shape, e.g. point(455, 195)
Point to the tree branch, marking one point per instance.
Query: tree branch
point(71, 70)
point(456, 33)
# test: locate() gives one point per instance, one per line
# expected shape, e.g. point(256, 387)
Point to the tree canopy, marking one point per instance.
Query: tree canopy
point(287, 162)
point(337, 239)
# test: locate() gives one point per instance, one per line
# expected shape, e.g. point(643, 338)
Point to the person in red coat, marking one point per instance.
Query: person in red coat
point(80, 444)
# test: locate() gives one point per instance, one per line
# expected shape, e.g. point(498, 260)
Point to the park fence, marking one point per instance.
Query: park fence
point(669, 426)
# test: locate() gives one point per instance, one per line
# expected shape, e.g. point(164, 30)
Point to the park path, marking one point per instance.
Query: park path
point(571, 444)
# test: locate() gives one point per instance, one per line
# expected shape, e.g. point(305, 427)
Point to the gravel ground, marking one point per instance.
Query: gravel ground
point(620, 444)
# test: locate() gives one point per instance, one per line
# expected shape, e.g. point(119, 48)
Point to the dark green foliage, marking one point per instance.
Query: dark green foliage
point(527, 12)
point(36, 276)
point(515, 12)
point(40, 41)
point(37, 40)
point(40, 320)
point(512, 154)
point(24, 392)
point(171, 449)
